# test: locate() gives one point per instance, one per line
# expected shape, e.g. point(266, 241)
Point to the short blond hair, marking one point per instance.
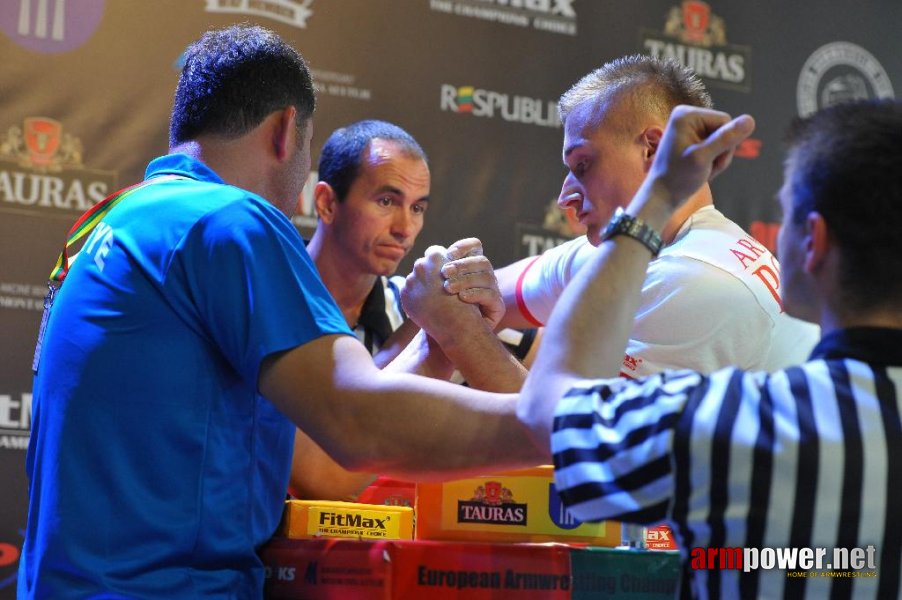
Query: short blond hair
point(654, 84)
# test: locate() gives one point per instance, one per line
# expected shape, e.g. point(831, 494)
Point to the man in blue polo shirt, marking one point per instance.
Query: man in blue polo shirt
point(191, 325)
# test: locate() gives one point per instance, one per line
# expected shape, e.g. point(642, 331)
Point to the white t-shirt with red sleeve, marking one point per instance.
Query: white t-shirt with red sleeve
point(710, 299)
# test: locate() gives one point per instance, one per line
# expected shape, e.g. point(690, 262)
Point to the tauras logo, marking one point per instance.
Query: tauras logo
point(697, 39)
point(492, 503)
point(41, 167)
point(473, 512)
point(490, 104)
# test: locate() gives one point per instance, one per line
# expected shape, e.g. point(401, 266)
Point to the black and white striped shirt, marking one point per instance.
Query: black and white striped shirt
point(807, 457)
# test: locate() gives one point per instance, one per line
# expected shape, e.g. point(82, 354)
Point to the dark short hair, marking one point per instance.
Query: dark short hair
point(660, 84)
point(845, 163)
point(233, 78)
point(339, 161)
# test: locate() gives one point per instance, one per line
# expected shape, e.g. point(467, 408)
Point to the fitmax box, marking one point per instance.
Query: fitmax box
point(316, 518)
point(514, 506)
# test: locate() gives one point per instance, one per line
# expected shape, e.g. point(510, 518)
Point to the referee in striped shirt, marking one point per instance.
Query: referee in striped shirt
point(806, 461)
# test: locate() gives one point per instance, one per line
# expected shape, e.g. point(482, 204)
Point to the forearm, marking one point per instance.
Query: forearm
point(394, 424)
point(396, 343)
point(483, 360)
point(315, 476)
point(421, 356)
point(433, 430)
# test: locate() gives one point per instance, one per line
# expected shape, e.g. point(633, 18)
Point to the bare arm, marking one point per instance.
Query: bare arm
point(589, 327)
point(474, 349)
point(397, 424)
point(396, 343)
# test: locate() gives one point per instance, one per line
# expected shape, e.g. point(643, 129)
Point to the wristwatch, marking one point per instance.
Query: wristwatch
point(624, 224)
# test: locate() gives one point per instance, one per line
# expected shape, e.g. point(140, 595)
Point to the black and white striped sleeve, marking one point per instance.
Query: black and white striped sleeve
point(612, 446)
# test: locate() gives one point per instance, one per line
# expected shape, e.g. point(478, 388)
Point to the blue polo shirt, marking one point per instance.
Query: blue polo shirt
point(155, 468)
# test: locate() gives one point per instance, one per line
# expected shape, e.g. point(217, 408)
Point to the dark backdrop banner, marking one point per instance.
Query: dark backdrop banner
point(86, 87)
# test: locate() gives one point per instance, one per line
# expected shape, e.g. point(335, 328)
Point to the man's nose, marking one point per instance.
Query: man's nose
point(571, 194)
point(404, 224)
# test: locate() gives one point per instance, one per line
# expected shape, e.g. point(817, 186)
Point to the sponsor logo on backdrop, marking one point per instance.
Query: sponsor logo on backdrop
point(290, 12)
point(41, 170)
point(497, 105)
point(9, 558)
point(15, 421)
point(21, 296)
point(492, 503)
point(50, 26)
point(558, 227)
point(341, 85)
point(749, 148)
point(840, 72)
point(697, 38)
point(554, 16)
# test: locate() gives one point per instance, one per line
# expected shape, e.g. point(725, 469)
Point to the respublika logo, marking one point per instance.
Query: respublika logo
point(50, 27)
point(494, 504)
point(489, 104)
point(840, 72)
point(41, 168)
point(555, 16)
point(697, 38)
point(291, 12)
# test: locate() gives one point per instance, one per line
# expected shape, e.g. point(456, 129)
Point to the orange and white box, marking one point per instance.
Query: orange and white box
point(516, 506)
point(319, 518)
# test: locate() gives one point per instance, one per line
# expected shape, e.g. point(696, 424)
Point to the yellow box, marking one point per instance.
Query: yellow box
point(320, 518)
point(516, 506)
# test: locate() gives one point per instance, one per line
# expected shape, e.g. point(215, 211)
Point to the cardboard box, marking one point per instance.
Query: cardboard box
point(517, 506)
point(400, 570)
point(316, 518)
point(390, 492)
point(334, 569)
point(626, 574)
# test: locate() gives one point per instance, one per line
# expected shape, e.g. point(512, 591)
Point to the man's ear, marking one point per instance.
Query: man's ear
point(651, 138)
point(284, 132)
point(325, 201)
point(817, 242)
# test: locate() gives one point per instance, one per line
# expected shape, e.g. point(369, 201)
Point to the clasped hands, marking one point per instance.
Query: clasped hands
point(451, 290)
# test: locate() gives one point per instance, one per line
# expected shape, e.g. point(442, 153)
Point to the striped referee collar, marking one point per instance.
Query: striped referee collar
point(875, 345)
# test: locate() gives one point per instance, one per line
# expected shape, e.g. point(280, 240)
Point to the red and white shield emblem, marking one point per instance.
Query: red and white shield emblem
point(696, 18)
point(492, 492)
point(42, 137)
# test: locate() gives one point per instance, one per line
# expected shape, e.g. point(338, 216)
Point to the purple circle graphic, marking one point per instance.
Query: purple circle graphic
point(50, 26)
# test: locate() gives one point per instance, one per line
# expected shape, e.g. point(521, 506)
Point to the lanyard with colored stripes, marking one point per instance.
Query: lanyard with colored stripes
point(86, 223)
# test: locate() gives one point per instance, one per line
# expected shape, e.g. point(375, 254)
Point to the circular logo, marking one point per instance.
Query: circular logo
point(50, 26)
point(840, 72)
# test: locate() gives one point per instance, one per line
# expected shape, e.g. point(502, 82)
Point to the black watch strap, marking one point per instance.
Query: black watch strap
point(625, 224)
